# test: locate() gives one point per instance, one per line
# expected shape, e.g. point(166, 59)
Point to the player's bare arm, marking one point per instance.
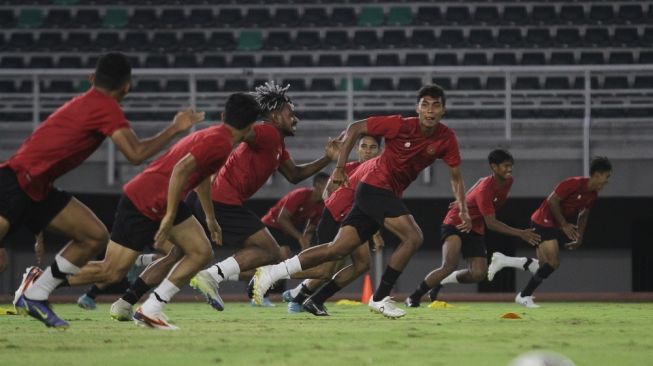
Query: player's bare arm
point(527, 235)
point(570, 230)
point(458, 188)
point(354, 131)
point(204, 195)
point(138, 150)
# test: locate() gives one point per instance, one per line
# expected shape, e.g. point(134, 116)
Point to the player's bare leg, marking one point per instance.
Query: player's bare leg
point(450, 257)
point(548, 254)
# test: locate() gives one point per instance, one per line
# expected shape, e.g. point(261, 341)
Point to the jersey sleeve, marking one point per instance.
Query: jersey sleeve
point(452, 153)
point(293, 200)
point(566, 188)
point(115, 120)
point(386, 126)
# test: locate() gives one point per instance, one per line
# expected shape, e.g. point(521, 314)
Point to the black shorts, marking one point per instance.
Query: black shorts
point(550, 233)
point(371, 206)
point(135, 231)
point(284, 239)
point(237, 222)
point(473, 244)
point(327, 228)
point(19, 209)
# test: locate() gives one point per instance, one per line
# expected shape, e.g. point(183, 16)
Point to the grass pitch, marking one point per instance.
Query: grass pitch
point(467, 334)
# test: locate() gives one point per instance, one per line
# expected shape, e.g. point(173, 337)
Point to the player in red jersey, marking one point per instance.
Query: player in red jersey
point(61, 143)
point(570, 201)
point(411, 145)
point(247, 169)
point(483, 199)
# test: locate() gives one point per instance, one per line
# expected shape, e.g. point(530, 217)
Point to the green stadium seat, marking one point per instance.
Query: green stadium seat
point(30, 18)
point(83, 85)
point(371, 16)
point(250, 41)
point(115, 18)
point(399, 15)
point(358, 84)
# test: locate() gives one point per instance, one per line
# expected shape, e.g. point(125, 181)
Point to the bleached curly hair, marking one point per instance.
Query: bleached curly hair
point(272, 96)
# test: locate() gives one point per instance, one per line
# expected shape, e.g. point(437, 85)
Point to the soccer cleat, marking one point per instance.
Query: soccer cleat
point(495, 266)
point(411, 303)
point(386, 307)
point(31, 274)
point(151, 321)
point(121, 311)
point(204, 283)
point(40, 310)
point(86, 302)
point(314, 308)
point(262, 283)
point(295, 307)
point(287, 296)
point(266, 303)
point(526, 301)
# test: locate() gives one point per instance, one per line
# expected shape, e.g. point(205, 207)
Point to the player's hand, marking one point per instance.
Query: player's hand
point(531, 237)
point(573, 245)
point(187, 119)
point(39, 248)
point(215, 230)
point(4, 259)
point(466, 225)
point(332, 149)
point(379, 243)
point(453, 204)
point(570, 230)
point(339, 177)
point(164, 230)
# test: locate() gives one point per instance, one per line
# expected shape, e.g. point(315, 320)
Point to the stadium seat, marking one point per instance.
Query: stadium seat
point(423, 38)
point(444, 82)
point(235, 85)
point(7, 19)
point(91, 62)
point(399, 16)
point(343, 17)
point(315, 17)
point(601, 14)
point(70, 62)
point(630, 14)
point(278, 40)
point(474, 59)
point(41, 62)
point(515, 15)
point(597, 37)
point(78, 41)
point(428, 15)
point(272, 61)
point(625, 37)
point(562, 58)
point(579, 83)
point(115, 18)
point(60, 86)
point(387, 59)
point(645, 57)
point(504, 58)
point(568, 37)
point(184, 61)
point(172, 19)
point(409, 84)
point(177, 86)
point(371, 16)
point(591, 58)
point(247, 61)
point(192, 42)
point(393, 39)
point(329, 61)
point(358, 60)
point(480, 38)
point(153, 61)
point(445, 59)
point(202, 18)
point(258, 17)
point(365, 39)
point(621, 58)
point(533, 58)
point(572, 14)
point(509, 37)
point(49, 41)
point(143, 19)
point(307, 40)
point(287, 17)
point(30, 18)
point(643, 82)
point(214, 61)
point(538, 37)
point(222, 41)
point(556, 83)
point(543, 15)
point(229, 18)
point(358, 84)
point(300, 61)
point(486, 14)
point(106, 41)
point(296, 84)
point(21, 42)
point(417, 59)
point(209, 86)
point(164, 42)
point(468, 83)
point(250, 41)
point(335, 40)
point(452, 38)
point(380, 84)
point(457, 15)
point(7, 86)
point(323, 84)
point(495, 83)
point(58, 18)
point(615, 82)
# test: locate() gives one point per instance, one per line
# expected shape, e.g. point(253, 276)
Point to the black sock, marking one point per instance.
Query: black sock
point(304, 293)
point(528, 263)
point(136, 291)
point(387, 282)
point(542, 273)
point(433, 294)
point(420, 291)
point(328, 290)
point(93, 292)
point(56, 273)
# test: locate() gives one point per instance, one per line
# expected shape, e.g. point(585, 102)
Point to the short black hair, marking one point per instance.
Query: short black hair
point(600, 164)
point(272, 97)
point(376, 138)
point(499, 156)
point(320, 177)
point(112, 71)
point(240, 110)
point(432, 90)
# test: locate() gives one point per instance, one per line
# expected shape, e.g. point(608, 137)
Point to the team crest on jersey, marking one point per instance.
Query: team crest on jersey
point(430, 150)
point(579, 196)
point(301, 209)
point(407, 144)
point(496, 199)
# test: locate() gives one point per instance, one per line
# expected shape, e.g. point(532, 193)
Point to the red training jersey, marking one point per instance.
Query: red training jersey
point(148, 191)
point(64, 140)
point(250, 166)
point(407, 152)
point(340, 202)
point(574, 197)
point(483, 199)
point(300, 206)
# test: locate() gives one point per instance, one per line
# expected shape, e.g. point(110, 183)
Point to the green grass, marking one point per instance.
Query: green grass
point(468, 334)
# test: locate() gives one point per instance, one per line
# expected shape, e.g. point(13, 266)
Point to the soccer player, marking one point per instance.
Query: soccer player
point(411, 145)
point(61, 143)
point(483, 199)
point(570, 201)
point(151, 209)
point(246, 170)
point(337, 204)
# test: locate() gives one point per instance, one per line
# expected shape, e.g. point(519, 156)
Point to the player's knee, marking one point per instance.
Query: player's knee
point(480, 275)
point(415, 239)
point(449, 268)
point(114, 275)
point(554, 264)
point(205, 255)
point(97, 239)
point(361, 268)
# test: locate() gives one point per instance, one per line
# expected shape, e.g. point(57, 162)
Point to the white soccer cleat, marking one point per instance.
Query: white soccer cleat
point(262, 283)
point(31, 274)
point(152, 321)
point(526, 301)
point(204, 283)
point(386, 307)
point(496, 265)
point(121, 311)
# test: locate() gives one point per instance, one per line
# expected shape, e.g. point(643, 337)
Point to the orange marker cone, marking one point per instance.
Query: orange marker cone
point(367, 289)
